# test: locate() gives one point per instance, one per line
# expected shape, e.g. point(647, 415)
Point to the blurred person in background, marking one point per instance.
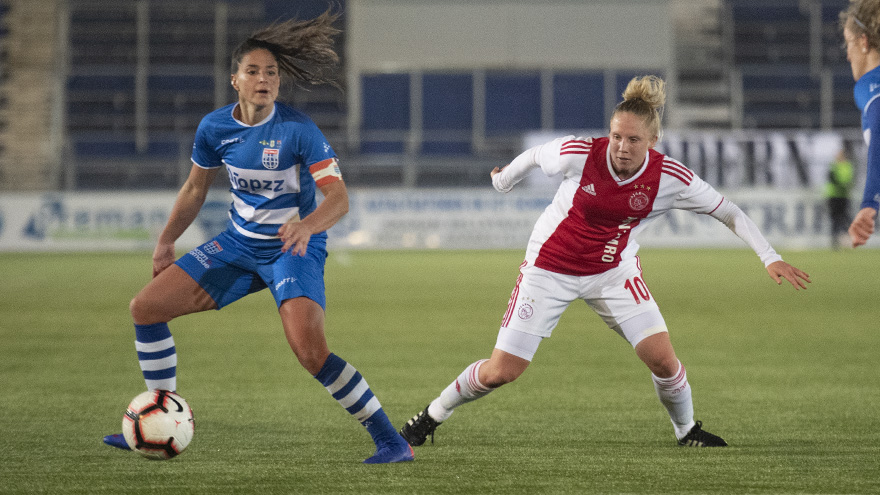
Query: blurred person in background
point(861, 31)
point(840, 181)
point(584, 247)
point(276, 158)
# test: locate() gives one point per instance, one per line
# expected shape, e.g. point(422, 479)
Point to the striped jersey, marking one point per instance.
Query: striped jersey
point(274, 167)
point(866, 91)
point(593, 221)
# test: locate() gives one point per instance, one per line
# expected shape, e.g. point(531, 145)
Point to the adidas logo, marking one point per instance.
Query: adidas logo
point(589, 189)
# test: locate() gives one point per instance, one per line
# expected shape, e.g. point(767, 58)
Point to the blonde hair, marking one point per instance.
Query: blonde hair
point(863, 17)
point(644, 97)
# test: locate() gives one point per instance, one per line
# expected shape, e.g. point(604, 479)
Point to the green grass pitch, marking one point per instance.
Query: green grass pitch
point(789, 378)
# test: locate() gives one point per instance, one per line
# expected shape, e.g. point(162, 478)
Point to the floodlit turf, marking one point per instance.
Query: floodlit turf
point(789, 379)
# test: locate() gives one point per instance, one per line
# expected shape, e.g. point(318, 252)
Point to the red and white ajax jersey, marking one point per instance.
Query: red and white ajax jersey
point(594, 218)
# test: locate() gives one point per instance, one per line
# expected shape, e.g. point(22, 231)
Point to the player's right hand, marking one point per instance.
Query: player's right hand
point(163, 257)
point(862, 226)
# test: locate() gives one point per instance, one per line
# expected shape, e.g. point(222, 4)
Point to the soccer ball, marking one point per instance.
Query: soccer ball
point(158, 424)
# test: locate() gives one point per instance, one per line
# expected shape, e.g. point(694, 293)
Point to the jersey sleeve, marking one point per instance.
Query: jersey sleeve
point(737, 221)
point(204, 153)
point(317, 154)
point(697, 195)
point(871, 195)
point(563, 155)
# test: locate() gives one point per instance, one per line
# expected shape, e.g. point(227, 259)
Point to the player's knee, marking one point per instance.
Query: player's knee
point(138, 310)
point(664, 367)
point(144, 313)
point(312, 361)
point(498, 376)
point(311, 356)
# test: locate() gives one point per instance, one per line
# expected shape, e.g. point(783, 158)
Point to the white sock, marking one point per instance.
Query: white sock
point(675, 395)
point(466, 388)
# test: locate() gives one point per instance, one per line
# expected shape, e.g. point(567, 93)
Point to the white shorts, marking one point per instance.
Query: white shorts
point(619, 296)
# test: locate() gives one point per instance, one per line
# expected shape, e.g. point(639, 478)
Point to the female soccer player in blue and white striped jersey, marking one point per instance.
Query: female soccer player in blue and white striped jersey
point(861, 30)
point(276, 237)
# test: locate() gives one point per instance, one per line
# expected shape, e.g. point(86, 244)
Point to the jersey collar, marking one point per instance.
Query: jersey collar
point(267, 119)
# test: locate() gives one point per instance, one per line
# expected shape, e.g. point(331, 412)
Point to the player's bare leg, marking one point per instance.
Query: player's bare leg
point(170, 294)
point(303, 321)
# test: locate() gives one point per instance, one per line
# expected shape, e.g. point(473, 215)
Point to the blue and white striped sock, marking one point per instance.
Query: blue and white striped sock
point(157, 356)
point(349, 388)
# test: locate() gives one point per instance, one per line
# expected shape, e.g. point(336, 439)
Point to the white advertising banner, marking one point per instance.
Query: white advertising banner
point(90, 221)
point(391, 219)
point(483, 218)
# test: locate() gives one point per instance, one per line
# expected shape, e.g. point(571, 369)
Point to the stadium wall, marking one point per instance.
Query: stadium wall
point(417, 34)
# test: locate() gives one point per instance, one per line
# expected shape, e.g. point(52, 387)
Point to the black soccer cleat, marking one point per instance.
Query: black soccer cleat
point(698, 437)
point(416, 430)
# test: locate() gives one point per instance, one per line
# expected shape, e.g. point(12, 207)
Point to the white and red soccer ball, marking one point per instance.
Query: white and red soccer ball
point(158, 424)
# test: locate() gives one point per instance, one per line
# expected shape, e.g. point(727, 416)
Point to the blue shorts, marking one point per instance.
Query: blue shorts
point(228, 269)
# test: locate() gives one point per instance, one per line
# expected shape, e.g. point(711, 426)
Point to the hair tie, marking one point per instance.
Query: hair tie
point(860, 24)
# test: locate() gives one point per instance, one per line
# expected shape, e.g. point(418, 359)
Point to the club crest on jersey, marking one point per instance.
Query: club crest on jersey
point(639, 201)
point(270, 158)
point(525, 311)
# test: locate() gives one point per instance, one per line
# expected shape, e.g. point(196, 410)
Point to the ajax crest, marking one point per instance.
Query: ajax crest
point(638, 201)
point(525, 311)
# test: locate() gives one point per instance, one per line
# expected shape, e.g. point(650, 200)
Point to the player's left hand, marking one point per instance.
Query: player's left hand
point(295, 234)
point(862, 226)
point(779, 270)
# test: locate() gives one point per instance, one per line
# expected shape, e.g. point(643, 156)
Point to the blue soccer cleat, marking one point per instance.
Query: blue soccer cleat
point(394, 452)
point(117, 440)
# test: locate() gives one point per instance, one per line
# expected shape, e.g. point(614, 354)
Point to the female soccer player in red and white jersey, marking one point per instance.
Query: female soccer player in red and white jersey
point(583, 247)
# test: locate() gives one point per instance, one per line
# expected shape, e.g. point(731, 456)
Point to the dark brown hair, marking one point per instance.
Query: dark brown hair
point(303, 49)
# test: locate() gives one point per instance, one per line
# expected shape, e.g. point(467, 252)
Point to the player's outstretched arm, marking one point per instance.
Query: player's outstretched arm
point(779, 270)
point(862, 226)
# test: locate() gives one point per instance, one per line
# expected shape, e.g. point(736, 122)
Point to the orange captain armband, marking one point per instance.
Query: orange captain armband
point(326, 171)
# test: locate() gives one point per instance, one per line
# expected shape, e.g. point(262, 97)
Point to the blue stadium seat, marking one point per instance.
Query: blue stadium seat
point(447, 113)
point(780, 96)
point(386, 107)
point(770, 32)
point(579, 100)
point(513, 103)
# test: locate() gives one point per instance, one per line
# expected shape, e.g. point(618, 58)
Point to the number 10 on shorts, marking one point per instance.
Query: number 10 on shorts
point(639, 290)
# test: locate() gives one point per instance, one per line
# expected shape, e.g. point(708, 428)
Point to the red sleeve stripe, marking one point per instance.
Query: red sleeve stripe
point(677, 174)
point(668, 162)
point(677, 170)
point(575, 148)
point(325, 172)
point(718, 206)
